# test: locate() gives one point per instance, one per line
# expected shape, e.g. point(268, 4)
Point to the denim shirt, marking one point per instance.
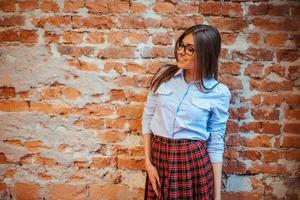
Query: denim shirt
point(178, 109)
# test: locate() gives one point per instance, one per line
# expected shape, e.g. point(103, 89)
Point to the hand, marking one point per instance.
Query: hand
point(153, 176)
point(217, 196)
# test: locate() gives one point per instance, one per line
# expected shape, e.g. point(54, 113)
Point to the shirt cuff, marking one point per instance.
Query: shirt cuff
point(216, 157)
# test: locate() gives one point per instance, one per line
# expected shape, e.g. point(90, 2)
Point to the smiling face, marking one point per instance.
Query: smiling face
point(186, 61)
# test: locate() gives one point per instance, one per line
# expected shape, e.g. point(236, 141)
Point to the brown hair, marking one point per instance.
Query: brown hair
point(207, 41)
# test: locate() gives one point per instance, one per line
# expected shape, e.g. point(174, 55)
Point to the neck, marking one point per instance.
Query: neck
point(188, 75)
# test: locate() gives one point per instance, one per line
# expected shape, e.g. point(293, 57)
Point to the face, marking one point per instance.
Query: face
point(186, 61)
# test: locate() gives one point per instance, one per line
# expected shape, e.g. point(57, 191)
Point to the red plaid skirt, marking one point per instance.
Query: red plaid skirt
point(184, 169)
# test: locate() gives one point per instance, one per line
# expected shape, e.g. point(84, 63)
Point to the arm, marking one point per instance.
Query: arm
point(215, 145)
point(217, 170)
point(148, 113)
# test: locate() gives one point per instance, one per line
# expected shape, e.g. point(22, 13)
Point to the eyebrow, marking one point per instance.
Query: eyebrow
point(188, 44)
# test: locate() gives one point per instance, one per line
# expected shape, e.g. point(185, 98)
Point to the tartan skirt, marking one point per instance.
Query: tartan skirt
point(184, 170)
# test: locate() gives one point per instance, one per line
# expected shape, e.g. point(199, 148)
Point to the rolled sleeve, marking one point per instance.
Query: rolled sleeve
point(148, 113)
point(217, 127)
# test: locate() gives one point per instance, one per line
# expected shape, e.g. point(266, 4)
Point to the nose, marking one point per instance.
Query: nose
point(181, 52)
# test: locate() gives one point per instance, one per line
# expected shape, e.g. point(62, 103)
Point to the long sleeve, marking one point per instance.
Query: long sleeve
point(216, 125)
point(148, 112)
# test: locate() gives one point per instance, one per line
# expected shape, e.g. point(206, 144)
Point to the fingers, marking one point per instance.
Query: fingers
point(157, 178)
point(155, 188)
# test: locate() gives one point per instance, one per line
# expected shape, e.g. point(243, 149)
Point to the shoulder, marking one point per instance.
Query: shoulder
point(222, 90)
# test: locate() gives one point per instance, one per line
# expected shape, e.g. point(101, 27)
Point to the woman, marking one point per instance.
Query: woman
point(184, 121)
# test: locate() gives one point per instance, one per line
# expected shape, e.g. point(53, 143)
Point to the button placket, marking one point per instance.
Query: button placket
point(178, 107)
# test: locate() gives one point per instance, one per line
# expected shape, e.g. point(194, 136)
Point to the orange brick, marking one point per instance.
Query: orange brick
point(49, 5)
point(103, 161)
point(72, 6)
point(111, 136)
point(27, 191)
point(12, 106)
point(67, 191)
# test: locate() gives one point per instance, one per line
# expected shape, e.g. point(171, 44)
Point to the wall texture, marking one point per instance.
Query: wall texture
point(74, 78)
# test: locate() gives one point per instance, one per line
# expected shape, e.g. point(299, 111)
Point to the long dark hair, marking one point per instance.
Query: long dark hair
point(207, 41)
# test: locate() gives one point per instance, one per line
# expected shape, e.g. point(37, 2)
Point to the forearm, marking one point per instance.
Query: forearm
point(217, 171)
point(147, 147)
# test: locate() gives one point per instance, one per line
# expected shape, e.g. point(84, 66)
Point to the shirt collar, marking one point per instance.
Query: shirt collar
point(206, 81)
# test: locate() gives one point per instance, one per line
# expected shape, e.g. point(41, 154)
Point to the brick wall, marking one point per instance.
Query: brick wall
point(74, 78)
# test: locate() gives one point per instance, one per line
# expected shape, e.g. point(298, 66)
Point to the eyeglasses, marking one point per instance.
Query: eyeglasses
point(188, 49)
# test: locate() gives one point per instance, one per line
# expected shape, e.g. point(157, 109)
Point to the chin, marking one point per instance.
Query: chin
point(183, 66)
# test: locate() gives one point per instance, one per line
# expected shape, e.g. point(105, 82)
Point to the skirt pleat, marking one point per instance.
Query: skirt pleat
point(184, 169)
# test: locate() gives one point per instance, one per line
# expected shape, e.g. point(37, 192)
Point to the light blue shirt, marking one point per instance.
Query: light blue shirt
point(178, 109)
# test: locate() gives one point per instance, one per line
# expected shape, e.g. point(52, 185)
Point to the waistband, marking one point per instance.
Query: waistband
point(179, 141)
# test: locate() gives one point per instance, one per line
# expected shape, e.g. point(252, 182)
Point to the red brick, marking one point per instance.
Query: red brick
point(254, 38)
point(57, 21)
point(292, 114)
point(263, 114)
point(92, 22)
point(287, 55)
point(268, 168)
point(270, 128)
point(8, 6)
point(259, 141)
point(186, 8)
point(73, 37)
point(51, 37)
point(27, 36)
point(271, 155)
point(231, 9)
point(117, 52)
point(250, 154)
point(9, 36)
point(275, 40)
point(7, 92)
point(49, 5)
point(16, 20)
point(164, 7)
point(136, 7)
point(154, 52)
point(270, 24)
point(234, 167)
point(3, 159)
point(291, 127)
point(96, 6)
point(230, 68)
point(162, 39)
point(28, 5)
point(276, 69)
point(251, 126)
point(210, 8)
point(223, 23)
point(292, 99)
point(118, 7)
point(270, 86)
point(254, 70)
point(95, 37)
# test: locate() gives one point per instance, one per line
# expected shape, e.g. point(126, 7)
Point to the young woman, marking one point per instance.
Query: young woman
point(184, 121)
